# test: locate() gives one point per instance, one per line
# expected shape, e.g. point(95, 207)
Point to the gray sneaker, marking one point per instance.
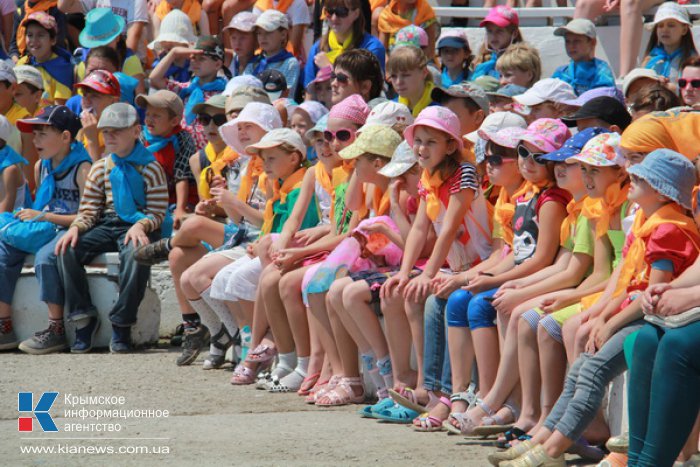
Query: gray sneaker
point(8, 340)
point(153, 253)
point(44, 342)
point(192, 343)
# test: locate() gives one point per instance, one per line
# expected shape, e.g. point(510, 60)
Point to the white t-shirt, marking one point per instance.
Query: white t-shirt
point(298, 12)
point(133, 11)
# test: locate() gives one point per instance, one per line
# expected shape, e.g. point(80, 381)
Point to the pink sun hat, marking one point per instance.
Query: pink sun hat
point(352, 108)
point(501, 16)
point(547, 134)
point(439, 118)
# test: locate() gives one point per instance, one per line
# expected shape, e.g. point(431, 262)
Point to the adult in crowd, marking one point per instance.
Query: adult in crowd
point(689, 82)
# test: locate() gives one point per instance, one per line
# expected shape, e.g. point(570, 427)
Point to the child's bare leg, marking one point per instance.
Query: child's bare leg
point(290, 293)
point(179, 260)
point(552, 369)
point(414, 315)
point(397, 331)
point(317, 305)
point(213, 9)
point(347, 347)
point(197, 229)
point(530, 380)
point(461, 361)
point(275, 311)
point(568, 332)
point(487, 356)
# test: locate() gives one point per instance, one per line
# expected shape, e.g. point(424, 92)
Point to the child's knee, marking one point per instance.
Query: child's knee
point(531, 318)
point(481, 313)
point(357, 292)
point(549, 330)
point(457, 311)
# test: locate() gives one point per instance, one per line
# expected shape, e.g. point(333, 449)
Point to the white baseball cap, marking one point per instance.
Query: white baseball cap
point(30, 75)
point(389, 113)
point(263, 115)
point(495, 122)
point(272, 20)
point(175, 27)
point(314, 109)
point(639, 73)
point(278, 137)
point(240, 81)
point(670, 10)
point(403, 159)
point(243, 21)
point(548, 89)
point(6, 72)
point(582, 26)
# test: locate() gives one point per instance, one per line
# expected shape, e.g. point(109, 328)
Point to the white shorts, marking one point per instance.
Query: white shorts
point(237, 281)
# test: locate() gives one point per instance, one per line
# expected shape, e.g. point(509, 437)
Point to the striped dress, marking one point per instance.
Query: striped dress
point(98, 202)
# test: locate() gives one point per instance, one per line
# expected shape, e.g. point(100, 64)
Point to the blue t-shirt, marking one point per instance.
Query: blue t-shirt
point(584, 76)
point(369, 42)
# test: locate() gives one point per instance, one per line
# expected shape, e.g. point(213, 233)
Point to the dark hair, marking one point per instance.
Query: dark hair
point(692, 61)
point(687, 45)
point(466, 101)
point(107, 53)
point(32, 89)
point(655, 98)
point(52, 33)
point(511, 153)
point(467, 63)
point(358, 27)
point(362, 66)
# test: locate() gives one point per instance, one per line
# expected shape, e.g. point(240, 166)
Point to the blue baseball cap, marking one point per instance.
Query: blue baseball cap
point(669, 173)
point(509, 90)
point(574, 145)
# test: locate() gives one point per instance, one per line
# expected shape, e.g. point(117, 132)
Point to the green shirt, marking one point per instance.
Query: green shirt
point(581, 240)
point(283, 211)
point(341, 213)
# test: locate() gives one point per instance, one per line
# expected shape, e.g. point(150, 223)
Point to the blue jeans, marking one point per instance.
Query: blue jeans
point(664, 393)
point(11, 262)
point(107, 236)
point(437, 374)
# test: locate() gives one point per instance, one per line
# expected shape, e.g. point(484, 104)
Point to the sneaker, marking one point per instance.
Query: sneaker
point(85, 336)
point(192, 343)
point(536, 457)
point(619, 444)
point(511, 453)
point(44, 342)
point(121, 339)
point(8, 340)
point(153, 253)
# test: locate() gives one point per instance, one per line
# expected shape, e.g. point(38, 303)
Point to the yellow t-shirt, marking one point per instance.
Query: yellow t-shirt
point(132, 67)
point(16, 112)
point(52, 88)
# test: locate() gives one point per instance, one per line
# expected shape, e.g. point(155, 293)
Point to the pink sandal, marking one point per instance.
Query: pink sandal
point(261, 354)
point(343, 393)
point(430, 423)
point(321, 389)
point(307, 385)
point(243, 375)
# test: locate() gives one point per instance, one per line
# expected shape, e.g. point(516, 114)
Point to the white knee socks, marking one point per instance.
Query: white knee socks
point(222, 311)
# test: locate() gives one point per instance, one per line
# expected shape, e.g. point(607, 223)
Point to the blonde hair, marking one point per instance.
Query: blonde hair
point(484, 54)
point(407, 58)
point(521, 57)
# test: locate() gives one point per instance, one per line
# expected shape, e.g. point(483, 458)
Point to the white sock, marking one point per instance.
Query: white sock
point(221, 311)
point(369, 364)
point(285, 365)
point(211, 321)
point(386, 371)
point(294, 379)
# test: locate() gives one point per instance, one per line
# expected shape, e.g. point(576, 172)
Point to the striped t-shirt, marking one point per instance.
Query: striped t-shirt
point(98, 201)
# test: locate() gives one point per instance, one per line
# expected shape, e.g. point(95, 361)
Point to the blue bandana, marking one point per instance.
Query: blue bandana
point(128, 190)
point(156, 143)
point(194, 94)
point(662, 62)
point(45, 192)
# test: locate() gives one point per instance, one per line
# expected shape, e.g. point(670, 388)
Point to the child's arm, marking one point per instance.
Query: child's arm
point(157, 77)
point(182, 193)
point(156, 189)
point(551, 216)
point(134, 31)
point(234, 208)
point(70, 6)
point(596, 282)
point(432, 32)
point(354, 195)
point(203, 24)
point(561, 262)
point(296, 35)
point(12, 179)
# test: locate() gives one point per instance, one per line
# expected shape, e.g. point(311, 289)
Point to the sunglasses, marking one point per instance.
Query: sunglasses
point(694, 83)
point(341, 77)
point(205, 119)
point(340, 12)
point(536, 156)
point(496, 160)
point(343, 135)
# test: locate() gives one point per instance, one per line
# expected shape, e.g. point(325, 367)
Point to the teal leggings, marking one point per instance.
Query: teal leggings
point(664, 393)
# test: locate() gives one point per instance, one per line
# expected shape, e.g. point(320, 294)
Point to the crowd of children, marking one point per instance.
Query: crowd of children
point(392, 217)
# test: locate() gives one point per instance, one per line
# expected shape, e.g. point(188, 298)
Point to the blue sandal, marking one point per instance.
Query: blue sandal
point(396, 414)
point(369, 410)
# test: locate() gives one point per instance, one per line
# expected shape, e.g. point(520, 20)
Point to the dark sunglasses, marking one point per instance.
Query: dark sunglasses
point(536, 156)
point(341, 77)
point(205, 119)
point(694, 83)
point(340, 12)
point(496, 160)
point(341, 135)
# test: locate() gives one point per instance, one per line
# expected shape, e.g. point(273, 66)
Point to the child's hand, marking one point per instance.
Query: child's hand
point(203, 208)
point(287, 258)
point(512, 284)
point(251, 248)
point(70, 239)
point(89, 123)
point(508, 300)
point(651, 296)
point(394, 191)
point(308, 236)
point(184, 52)
point(445, 285)
point(556, 302)
point(480, 283)
point(223, 197)
point(605, 332)
point(28, 214)
point(178, 216)
point(376, 227)
point(217, 182)
point(395, 283)
point(596, 325)
point(418, 288)
point(675, 301)
point(321, 60)
point(611, 5)
point(137, 235)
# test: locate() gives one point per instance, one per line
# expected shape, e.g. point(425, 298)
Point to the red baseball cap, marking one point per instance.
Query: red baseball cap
point(101, 81)
point(501, 16)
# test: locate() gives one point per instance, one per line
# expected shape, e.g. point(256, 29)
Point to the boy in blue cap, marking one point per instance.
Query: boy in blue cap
point(585, 71)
